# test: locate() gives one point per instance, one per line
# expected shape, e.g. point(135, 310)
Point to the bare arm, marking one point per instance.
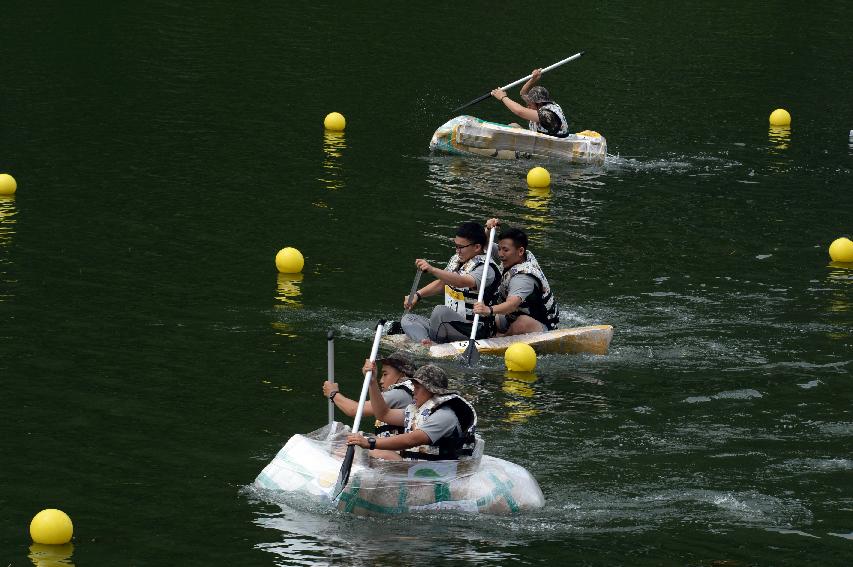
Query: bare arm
point(393, 443)
point(509, 306)
point(380, 409)
point(535, 75)
point(446, 277)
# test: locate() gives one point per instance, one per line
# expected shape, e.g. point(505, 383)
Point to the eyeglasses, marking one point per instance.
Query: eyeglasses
point(458, 248)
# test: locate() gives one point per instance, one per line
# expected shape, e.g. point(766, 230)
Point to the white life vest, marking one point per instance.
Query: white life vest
point(540, 304)
point(382, 429)
point(563, 130)
point(447, 448)
point(462, 300)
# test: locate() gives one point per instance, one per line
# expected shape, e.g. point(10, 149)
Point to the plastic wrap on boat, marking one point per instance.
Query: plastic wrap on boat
point(309, 465)
point(473, 136)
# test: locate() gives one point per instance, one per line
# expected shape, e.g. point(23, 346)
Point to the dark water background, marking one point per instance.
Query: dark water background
point(152, 360)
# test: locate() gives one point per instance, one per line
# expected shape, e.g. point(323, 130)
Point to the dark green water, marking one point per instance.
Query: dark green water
point(153, 362)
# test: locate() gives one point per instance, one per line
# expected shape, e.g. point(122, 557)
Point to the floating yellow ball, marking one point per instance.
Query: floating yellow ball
point(52, 527)
point(841, 250)
point(780, 117)
point(538, 177)
point(520, 357)
point(8, 185)
point(289, 261)
point(335, 122)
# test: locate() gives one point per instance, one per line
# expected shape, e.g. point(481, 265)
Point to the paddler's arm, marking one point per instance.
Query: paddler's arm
point(393, 443)
point(446, 277)
point(432, 288)
point(343, 403)
point(535, 75)
point(379, 407)
point(509, 306)
point(519, 110)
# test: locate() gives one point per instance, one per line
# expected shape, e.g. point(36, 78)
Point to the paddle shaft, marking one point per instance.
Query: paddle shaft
point(331, 371)
point(414, 289)
point(367, 378)
point(471, 346)
point(523, 79)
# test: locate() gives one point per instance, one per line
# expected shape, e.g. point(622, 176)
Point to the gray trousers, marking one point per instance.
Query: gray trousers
point(444, 326)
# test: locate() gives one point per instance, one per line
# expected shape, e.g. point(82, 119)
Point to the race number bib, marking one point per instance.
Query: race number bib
point(454, 299)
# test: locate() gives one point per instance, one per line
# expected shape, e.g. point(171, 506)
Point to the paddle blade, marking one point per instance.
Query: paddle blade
point(343, 476)
point(471, 356)
point(473, 102)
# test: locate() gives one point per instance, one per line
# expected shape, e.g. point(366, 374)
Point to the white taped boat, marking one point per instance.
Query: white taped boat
point(308, 465)
point(594, 339)
point(467, 135)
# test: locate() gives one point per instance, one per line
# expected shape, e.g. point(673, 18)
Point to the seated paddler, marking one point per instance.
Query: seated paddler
point(397, 390)
point(459, 281)
point(543, 115)
point(438, 425)
point(524, 302)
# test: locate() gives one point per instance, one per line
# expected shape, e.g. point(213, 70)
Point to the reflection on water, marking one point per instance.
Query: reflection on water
point(780, 137)
point(288, 291)
point(538, 215)
point(519, 385)
point(7, 219)
point(51, 555)
point(333, 145)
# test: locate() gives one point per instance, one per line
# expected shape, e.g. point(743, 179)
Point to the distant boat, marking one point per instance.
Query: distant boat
point(468, 135)
point(308, 466)
point(593, 339)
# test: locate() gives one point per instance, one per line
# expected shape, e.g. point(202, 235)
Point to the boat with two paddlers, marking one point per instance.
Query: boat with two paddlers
point(308, 466)
point(593, 339)
point(467, 135)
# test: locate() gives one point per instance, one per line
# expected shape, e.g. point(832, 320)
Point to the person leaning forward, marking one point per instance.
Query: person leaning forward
point(460, 282)
point(438, 425)
point(397, 371)
point(524, 302)
point(542, 113)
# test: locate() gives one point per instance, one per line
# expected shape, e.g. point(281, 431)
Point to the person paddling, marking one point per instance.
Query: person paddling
point(542, 113)
point(524, 301)
point(397, 371)
point(459, 281)
point(438, 425)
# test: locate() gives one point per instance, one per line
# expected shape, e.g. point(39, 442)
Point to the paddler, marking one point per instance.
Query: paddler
point(542, 113)
point(438, 425)
point(459, 281)
point(524, 301)
point(397, 389)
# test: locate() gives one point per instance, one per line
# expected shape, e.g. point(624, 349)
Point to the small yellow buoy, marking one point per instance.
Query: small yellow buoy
point(520, 357)
point(780, 117)
point(51, 527)
point(538, 177)
point(8, 185)
point(335, 122)
point(841, 250)
point(289, 261)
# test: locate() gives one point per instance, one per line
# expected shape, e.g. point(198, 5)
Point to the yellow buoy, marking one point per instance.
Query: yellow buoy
point(8, 185)
point(780, 117)
point(841, 250)
point(538, 177)
point(289, 261)
point(52, 527)
point(520, 357)
point(335, 122)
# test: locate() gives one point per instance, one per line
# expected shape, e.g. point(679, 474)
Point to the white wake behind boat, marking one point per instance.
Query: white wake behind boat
point(594, 339)
point(467, 135)
point(308, 465)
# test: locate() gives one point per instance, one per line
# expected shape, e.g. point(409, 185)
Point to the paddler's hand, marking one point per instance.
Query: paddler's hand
point(481, 309)
point(424, 266)
point(359, 440)
point(329, 387)
point(535, 75)
point(492, 222)
point(499, 94)
point(368, 366)
point(406, 304)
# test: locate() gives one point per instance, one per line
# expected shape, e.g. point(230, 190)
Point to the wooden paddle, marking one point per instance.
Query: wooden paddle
point(343, 477)
point(518, 82)
point(471, 355)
